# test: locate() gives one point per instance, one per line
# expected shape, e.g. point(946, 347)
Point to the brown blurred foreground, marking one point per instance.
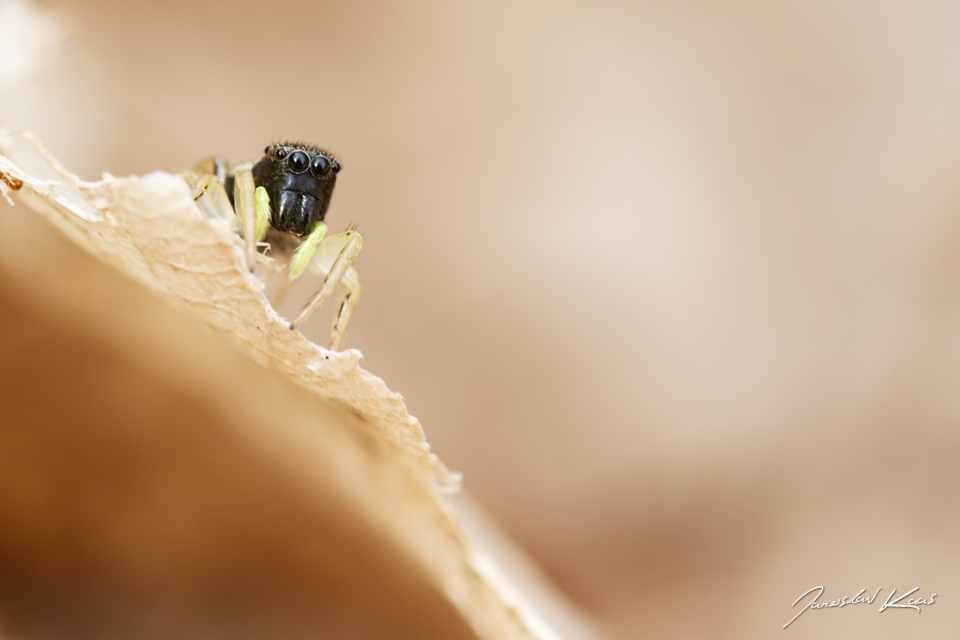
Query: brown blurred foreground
point(134, 503)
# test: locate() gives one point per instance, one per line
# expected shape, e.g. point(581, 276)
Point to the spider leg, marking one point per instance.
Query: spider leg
point(351, 285)
point(304, 253)
point(212, 198)
point(214, 166)
point(244, 199)
point(253, 205)
point(334, 256)
point(261, 212)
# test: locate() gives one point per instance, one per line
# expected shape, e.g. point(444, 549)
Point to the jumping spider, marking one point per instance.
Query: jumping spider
point(278, 203)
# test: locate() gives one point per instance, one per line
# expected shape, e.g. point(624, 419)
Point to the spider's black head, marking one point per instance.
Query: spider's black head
point(299, 180)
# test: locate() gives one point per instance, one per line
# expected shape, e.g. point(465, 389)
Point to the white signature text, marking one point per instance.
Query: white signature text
point(890, 603)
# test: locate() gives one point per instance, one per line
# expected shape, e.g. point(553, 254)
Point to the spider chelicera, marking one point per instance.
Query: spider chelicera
point(279, 202)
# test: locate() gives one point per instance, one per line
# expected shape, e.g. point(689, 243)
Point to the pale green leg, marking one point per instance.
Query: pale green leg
point(212, 166)
point(338, 251)
point(245, 204)
point(261, 212)
point(351, 284)
point(211, 197)
point(304, 253)
point(252, 213)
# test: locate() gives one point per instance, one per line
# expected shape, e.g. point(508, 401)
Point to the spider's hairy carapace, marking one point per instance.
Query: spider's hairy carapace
point(299, 178)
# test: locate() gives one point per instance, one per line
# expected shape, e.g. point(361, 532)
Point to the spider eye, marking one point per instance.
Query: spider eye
point(319, 166)
point(266, 151)
point(336, 166)
point(281, 153)
point(299, 161)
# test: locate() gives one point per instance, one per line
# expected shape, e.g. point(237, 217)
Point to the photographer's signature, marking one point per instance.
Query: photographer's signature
point(912, 603)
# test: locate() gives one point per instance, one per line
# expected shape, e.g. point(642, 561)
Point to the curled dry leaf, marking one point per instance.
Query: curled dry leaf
point(150, 229)
point(371, 455)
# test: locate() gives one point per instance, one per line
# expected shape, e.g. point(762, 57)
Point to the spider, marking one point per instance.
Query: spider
point(282, 199)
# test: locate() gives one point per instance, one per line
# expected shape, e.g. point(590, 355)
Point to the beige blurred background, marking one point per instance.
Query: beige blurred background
point(675, 285)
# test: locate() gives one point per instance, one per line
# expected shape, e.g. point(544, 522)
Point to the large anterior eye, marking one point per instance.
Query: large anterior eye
point(299, 161)
point(319, 166)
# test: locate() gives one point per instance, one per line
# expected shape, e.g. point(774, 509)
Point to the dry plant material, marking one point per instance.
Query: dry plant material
point(176, 460)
